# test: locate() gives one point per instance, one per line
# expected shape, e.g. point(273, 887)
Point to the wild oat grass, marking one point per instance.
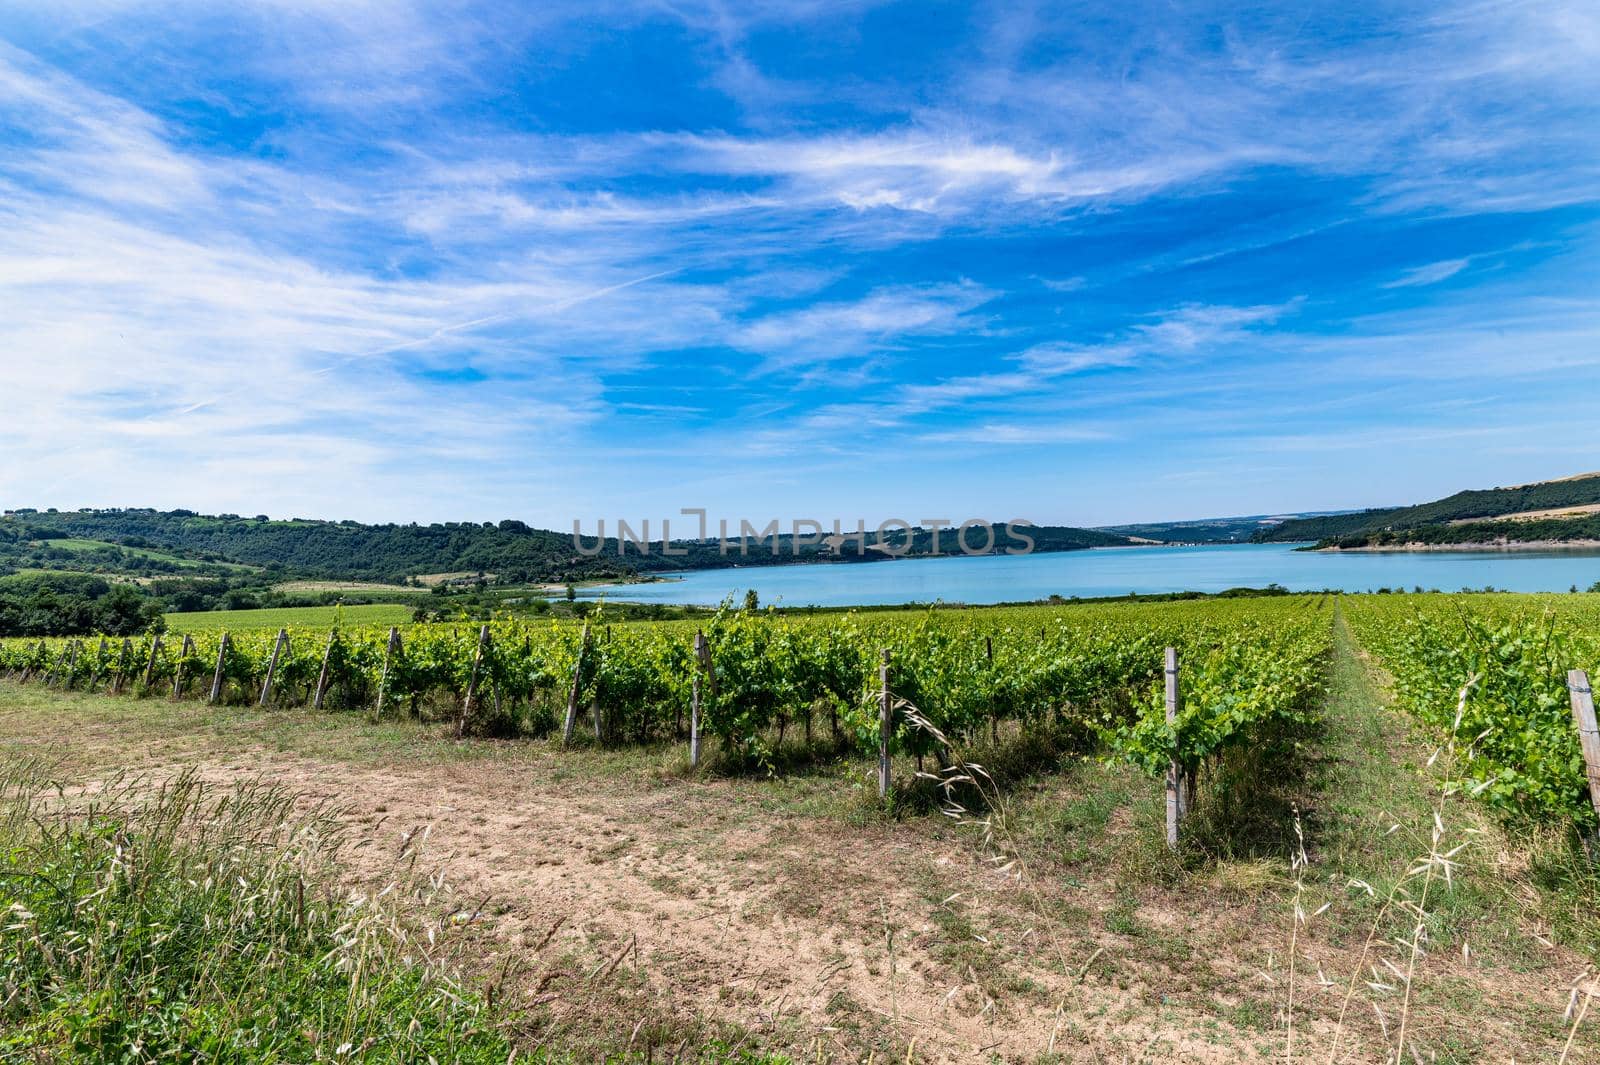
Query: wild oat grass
point(170, 923)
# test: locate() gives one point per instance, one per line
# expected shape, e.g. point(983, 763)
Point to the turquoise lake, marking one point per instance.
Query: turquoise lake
point(1118, 571)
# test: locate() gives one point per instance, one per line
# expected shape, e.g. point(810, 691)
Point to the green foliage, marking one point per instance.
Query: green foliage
point(285, 617)
point(329, 549)
point(1086, 670)
point(1510, 655)
point(1430, 522)
point(1556, 530)
point(73, 604)
point(180, 927)
point(1235, 681)
point(511, 551)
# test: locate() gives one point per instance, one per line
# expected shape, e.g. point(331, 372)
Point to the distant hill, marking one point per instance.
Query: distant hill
point(1326, 526)
point(317, 548)
point(1211, 530)
point(137, 540)
point(1547, 510)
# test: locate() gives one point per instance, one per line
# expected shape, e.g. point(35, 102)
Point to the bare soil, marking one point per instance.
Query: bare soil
point(821, 927)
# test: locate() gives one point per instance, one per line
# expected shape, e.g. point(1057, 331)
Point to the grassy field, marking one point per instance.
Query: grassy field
point(287, 617)
point(611, 902)
point(80, 545)
point(356, 587)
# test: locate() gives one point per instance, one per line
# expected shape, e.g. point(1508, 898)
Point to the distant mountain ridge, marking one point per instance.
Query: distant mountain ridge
point(1561, 510)
point(1235, 530)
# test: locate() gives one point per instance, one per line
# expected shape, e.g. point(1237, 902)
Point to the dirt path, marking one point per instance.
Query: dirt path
point(731, 903)
point(780, 925)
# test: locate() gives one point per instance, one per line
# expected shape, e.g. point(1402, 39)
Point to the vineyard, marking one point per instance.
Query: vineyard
point(1095, 673)
point(1501, 662)
point(918, 684)
point(669, 781)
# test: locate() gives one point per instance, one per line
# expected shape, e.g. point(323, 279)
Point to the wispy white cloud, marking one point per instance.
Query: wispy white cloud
point(1011, 434)
point(1034, 383)
point(825, 332)
point(1430, 274)
point(1185, 330)
point(368, 246)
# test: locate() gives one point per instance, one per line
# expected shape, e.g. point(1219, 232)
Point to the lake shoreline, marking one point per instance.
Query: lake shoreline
point(1508, 547)
point(1114, 572)
point(651, 577)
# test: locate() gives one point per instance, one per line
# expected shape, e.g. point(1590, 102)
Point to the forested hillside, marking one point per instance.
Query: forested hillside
point(1235, 530)
point(72, 604)
point(325, 548)
point(1559, 530)
point(1428, 522)
point(510, 550)
point(1327, 526)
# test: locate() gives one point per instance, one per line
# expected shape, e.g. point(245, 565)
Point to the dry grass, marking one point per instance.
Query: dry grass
point(150, 920)
point(796, 914)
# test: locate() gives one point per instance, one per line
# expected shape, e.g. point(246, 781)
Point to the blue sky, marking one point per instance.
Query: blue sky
point(1079, 264)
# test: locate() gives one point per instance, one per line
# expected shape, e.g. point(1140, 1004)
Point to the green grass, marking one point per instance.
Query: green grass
point(364, 588)
point(1371, 774)
point(74, 544)
point(1122, 911)
point(188, 923)
point(289, 617)
point(177, 925)
point(78, 545)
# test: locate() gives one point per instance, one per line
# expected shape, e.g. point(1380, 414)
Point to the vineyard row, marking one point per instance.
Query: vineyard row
point(887, 685)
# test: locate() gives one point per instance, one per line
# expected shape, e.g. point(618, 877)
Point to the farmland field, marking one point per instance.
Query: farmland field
point(603, 894)
point(348, 587)
point(76, 544)
point(279, 617)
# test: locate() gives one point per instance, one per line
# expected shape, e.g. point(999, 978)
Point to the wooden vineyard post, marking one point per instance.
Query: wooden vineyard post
point(72, 664)
point(994, 718)
point(472, 681)
point(122, 666)
point(884, 714)
point(701, 654)
point(322, 676)
point(708, 671)
point(594, 703)
point(68, 655)
point(1175, 797)
point(150, 670)
point(1582, 697)
point(217, 677)
point(572, 696)
point(183, 656)
point(390, 649)
point(56, 671)
point(272, 666)
point(677, 711)
point(99, 664)
point(39, 653)
point(694, 719)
